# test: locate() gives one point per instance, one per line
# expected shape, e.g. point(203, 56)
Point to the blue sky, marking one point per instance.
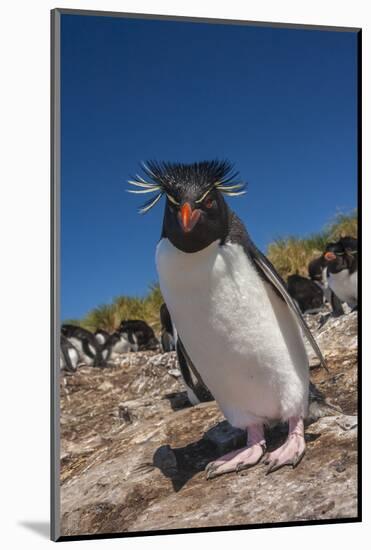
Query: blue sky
point(279, 103)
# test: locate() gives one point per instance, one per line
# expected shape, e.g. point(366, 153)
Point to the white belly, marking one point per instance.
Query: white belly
point(74, 357)
point(344, 286)
point(100, 339)
point(325, 286)
point(241, 337)
point(82, 355)
point(122, 346)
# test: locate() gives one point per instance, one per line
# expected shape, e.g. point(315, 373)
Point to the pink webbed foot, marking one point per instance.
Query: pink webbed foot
point(241, 459)
point(292, 451)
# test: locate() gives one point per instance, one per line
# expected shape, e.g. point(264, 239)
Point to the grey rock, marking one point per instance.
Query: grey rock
point(225, 437)
point(175, 372)
point(347, 422)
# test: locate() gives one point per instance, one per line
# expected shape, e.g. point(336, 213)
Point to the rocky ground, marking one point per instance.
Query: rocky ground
point(133, 450)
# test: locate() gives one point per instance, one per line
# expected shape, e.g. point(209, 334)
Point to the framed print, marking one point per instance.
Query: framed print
point(205, 206)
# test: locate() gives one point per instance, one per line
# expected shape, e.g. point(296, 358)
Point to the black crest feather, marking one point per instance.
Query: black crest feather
point(171, 178)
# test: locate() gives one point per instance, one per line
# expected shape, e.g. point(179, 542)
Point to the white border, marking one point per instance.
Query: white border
point(25, 173)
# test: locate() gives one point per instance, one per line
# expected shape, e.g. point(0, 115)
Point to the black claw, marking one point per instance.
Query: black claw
point(297, 459)
point(210, 471)
point(276, 466)
point(272, 467)
point(239, 467)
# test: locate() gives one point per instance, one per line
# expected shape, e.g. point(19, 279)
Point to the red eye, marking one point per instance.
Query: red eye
point(208, 202)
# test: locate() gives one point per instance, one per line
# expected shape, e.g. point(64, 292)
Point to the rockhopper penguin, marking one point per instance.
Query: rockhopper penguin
point(85, 342)
point(167, 330)
point(342, 269)
point(69, 357)
point(231, 309)
point(317, 271)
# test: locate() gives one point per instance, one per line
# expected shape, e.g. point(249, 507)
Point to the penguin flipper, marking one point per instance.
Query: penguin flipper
point(269, 273)
point(199, 389)
point(337, 306)
point(239, 235)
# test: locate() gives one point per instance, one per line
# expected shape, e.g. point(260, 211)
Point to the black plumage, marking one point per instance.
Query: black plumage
point(177, 179)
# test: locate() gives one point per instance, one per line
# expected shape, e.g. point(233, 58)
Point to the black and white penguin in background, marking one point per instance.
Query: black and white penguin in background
point(234, 316)
point(306, 292)
point(86, 344)
point(318, 274)
point(69, 355)
point(168, 334)
point(140, 334)
point(317, 271)
point(116, 344)
point(342, 269)
point(101, 336)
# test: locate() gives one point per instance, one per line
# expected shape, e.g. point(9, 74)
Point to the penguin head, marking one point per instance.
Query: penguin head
point(196, 216)
point(349, 244)
point(340, 255)
point(333, 251)
point(196, 213)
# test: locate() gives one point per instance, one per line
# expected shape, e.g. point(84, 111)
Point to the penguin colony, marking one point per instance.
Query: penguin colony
point(333, 278)
point(239, 333)
point(80, 346)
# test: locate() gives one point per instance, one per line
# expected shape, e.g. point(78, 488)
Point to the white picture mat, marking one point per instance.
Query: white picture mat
point(25, 177)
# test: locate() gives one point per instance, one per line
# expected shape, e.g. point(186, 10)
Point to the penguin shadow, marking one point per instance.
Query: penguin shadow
point(323, 320)
point(181, 464)
point(333, 315)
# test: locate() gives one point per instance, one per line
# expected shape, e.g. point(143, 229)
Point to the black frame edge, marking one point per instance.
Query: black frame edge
point(359, 236)
point(216, 529)
point(195, 19)
point(54, 274)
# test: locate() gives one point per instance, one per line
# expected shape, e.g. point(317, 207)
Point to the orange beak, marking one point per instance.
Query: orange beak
point(329, 256)
point(188, 217)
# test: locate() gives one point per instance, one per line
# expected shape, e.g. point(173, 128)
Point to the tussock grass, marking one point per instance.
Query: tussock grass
point(291, 255)
point(343, 225)
point(109, 316)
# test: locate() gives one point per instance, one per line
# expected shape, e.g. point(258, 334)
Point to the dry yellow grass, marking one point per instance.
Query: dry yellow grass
point(109, 316)
point(291, 255)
